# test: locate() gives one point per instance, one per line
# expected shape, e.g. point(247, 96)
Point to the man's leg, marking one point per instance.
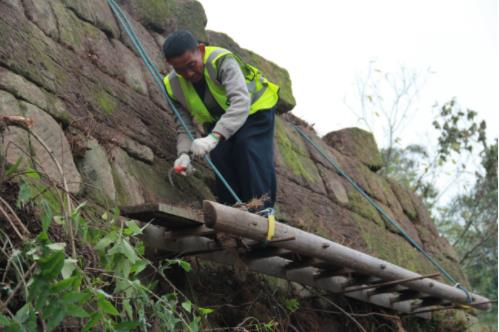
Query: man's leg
point(253, 155)
point(222, 159)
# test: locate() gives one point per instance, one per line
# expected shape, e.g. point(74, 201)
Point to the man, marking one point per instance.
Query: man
point(236, 106)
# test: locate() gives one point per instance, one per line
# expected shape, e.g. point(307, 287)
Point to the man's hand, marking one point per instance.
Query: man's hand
point(183, 165)
point(201, 146)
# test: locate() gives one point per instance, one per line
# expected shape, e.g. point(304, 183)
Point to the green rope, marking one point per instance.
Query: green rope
point(383, 213)
point(159, 81)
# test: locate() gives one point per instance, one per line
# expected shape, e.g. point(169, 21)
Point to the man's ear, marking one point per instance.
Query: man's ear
point(202, 49)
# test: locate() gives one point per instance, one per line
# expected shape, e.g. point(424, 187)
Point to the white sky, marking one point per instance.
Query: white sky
point(326, 45)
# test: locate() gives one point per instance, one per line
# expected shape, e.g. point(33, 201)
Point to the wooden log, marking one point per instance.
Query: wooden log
point(379, 284)
point(273, 266)
point(237, 222)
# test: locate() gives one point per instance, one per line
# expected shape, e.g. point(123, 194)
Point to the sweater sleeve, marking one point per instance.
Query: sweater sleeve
point(233, 81)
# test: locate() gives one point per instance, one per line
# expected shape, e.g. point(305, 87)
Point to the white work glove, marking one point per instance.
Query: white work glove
point(201, 146)
point(183, 165)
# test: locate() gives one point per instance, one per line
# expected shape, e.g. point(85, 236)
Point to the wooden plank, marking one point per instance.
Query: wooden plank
point(161, 214)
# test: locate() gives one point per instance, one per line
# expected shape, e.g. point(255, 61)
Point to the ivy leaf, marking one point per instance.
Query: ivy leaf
point(64, 284)
point(107, 307)
point(70, 264)
point(94, 318)
point(52, 265)
point(125, 248)
point(30, 172)
point(205, 311)
point(186, 266)
point(132, 228)
point(76, 311)
point(187, 305)
point(12, 168)
point(106, 241)
point(75, 297)
point(24, 195)
point(47, 216)
point(105, 216)
point(59, 246)
point(127, 326)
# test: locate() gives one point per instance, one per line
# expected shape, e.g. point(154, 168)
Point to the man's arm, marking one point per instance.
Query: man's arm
point(234, 83)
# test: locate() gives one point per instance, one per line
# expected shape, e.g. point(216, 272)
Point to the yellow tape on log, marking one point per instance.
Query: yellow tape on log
point(271, 228)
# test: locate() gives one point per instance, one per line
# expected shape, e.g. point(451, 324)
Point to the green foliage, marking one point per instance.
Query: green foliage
point(292, 304)
point(470, 222)
point(105, 294)
point(411, 167)
point(458, 130)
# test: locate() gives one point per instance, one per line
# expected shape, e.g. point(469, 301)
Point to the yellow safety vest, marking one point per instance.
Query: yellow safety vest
point(263, 93)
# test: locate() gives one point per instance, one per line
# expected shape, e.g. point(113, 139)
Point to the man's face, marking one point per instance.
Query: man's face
point(190, 64)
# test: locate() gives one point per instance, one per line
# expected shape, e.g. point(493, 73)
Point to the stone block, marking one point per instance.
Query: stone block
point(293, 160)
point(42, 15)
point(358, 144)
point(23, 89)
point(97, 173)
point(96, 12)
point(31, 151)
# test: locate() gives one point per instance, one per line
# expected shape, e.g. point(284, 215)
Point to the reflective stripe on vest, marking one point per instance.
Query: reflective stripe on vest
point(263, 93)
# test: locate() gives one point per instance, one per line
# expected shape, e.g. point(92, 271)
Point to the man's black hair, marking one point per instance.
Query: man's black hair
point(178, 43)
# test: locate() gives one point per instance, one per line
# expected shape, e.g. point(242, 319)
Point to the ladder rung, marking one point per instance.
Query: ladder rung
point(332, 272)
point(405, 295)
point(267, 252)
point(427, 302)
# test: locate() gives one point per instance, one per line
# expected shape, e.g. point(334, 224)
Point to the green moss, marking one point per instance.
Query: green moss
point(121, 191)
point(366, 148)
point(391, 247)
point(47, 71)
point(190, 15)
point(294, 154)
point(358, 204)
point(63, 117)
point(152, 13)
point(106, 102)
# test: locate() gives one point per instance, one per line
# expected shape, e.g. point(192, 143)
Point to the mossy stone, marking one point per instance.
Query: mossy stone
point(391, 247)
point(359, 204)
point(106, 102)
point(358, 144)
point(152, 14)
point(295, 155)
point(190, 15)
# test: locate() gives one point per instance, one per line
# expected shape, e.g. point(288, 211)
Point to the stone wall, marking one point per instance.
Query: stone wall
point(69, 67)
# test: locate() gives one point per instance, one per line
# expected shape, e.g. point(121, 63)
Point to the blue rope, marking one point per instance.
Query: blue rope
point(383, 213)
point(159, 81)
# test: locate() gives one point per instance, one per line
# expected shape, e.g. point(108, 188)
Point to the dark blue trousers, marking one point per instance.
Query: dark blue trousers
point(246, 160)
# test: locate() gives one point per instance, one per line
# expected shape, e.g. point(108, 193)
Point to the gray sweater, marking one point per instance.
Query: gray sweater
point(232, 79)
